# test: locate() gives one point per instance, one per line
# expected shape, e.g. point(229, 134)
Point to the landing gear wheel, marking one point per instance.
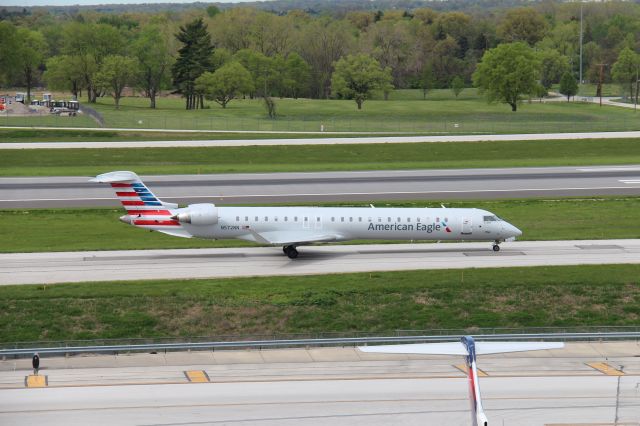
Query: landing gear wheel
point(290, 251)
point(496, 248)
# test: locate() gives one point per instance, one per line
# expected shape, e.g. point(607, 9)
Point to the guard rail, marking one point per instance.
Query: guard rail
point(354, 341)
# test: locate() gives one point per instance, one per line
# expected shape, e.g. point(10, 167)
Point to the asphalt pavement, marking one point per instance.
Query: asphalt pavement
point(362, 186)
point(585, 383)
point(309, 141)
point(123, 265)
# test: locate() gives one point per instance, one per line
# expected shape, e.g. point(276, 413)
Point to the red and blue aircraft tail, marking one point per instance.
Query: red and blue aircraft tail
point(143, 208)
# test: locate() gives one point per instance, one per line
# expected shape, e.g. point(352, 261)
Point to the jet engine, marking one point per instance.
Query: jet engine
point(198, 214)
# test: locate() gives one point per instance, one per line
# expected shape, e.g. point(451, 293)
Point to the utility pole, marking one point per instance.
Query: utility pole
point(635, 104)
point(600, 81)
point(580, 42)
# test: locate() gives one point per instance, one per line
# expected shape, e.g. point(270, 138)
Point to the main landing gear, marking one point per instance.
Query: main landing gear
point(290, 251)
point(496, 246)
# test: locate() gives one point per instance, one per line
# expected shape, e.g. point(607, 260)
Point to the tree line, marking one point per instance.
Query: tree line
point(219, 55)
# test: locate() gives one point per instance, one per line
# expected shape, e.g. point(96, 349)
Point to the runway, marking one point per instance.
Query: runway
point(38, 268)
point(320, 386)
point(301, 141)
point(367, 186)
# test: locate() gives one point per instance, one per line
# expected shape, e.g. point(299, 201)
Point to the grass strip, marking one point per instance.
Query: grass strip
point(248, 159)
point(563, 296)
point(64, 135)
point(99, 229)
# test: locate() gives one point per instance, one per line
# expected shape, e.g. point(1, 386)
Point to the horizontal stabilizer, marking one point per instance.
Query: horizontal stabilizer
point(457, 348)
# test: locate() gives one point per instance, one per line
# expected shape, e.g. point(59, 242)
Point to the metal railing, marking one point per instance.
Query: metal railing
point(340, 341)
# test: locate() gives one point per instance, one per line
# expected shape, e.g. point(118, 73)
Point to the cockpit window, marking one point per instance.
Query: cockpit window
point(490, 218)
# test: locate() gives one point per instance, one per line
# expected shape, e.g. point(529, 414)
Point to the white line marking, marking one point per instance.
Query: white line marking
point(331, 193)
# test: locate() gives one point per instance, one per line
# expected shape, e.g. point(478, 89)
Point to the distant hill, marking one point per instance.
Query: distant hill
point(313, 7)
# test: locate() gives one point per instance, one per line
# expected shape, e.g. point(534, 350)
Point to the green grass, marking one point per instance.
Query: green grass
point(248, 159)
point(53, 135)
point(405, 111)
point(99, 229)
point(438, 114)
point(567, 296)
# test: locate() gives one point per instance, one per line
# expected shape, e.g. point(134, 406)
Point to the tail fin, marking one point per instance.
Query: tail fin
point(469, 349)
point(143, 208)
point(133, 193)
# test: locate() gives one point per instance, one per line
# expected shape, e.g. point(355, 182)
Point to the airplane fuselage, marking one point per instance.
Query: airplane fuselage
point(357, 223)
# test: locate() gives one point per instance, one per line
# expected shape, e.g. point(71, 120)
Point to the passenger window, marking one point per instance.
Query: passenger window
point(369, 219)
point(286, 218)
point(388, 219)
point(266, 219)
point(275, 219)
point(333, 219)
point(399, 220)
point(257, 218)
point(317, 219)
point(246, 218)
point(359, 219)
point(418, 219)
point(408, 219)
point(342, 219)
point(350, 219)
point(379, 219)
point(237, 218)
point(295, 218)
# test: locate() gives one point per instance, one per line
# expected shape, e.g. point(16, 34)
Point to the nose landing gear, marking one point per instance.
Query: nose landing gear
point(496, 246)
point(290, 251)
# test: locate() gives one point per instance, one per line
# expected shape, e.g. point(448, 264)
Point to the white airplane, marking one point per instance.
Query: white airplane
point(469, 349)
point(291, 227)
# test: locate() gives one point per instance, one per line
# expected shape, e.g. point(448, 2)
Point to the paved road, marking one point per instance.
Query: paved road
point(317, 141)
point(26, 268)
point(320, 386)
point(334, 186)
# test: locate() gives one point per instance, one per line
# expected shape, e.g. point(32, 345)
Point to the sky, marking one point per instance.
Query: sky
point(27, 3)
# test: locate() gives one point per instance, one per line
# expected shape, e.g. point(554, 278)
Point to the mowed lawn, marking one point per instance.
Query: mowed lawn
point(379, 303)
point(249, 159)
point(99, 229)
point(405, 111)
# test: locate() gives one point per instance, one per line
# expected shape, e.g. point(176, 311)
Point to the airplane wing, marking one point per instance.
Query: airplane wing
point(457, 348)
point(277, 238)
point(485, 348)
point(453, 348)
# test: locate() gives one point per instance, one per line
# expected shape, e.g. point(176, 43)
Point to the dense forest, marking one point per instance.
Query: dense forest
point(292, 48)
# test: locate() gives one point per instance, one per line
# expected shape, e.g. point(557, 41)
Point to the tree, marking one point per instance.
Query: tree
point(568, 85)
point(194, 59)
point(426, 80)
point(297, 75)
point(457, 85)
point(9, 47)
point(64, 73)
point(262, 70)
point(357, 76)
point(523, 24)
point(507, 72)
point(625, 70)
point(115, 73)
point(224, 85)
point(154, 59)
point(89, 44)
point(554, 66)
point(32, 48)
point(212, 11)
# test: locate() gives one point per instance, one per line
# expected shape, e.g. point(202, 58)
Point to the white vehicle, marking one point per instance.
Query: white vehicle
point(468, 348)
point(291, 227)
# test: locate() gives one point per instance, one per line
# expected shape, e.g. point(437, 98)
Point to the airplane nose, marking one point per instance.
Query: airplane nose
point(125, 219)
point(514, 231)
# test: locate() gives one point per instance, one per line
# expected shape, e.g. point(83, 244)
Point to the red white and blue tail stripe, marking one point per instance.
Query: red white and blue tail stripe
point(143, 208)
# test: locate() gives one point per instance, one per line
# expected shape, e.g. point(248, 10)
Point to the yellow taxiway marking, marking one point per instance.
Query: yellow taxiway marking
point(605, 368)
point(197, 376)
point(463, 368)
point(34, 381)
